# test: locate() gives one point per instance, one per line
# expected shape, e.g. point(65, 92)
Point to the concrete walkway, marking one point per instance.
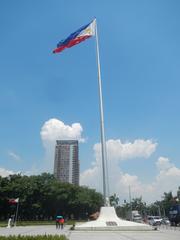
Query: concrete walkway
point(34, 230)
point(162, 234)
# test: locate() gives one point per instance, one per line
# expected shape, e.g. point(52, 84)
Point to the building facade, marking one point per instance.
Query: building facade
point(66, 161)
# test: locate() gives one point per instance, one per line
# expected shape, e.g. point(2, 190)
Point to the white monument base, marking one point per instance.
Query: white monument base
point(108, 220)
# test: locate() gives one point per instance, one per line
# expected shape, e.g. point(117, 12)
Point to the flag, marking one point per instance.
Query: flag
point(76, 37)
point(13, 200)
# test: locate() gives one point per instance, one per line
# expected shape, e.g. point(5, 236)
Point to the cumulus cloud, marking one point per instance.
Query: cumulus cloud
point(118, 150)
point(119, 182)
point(5, 173)
point(167, 178)
point(163, 164)
point(54, 129)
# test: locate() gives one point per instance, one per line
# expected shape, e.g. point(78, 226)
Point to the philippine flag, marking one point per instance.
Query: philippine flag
point(80, 35)
point(13, 200)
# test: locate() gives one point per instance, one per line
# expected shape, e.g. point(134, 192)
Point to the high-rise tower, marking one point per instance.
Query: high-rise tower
point(66, 161)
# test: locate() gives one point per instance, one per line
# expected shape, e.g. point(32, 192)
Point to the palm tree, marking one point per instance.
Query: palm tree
point(114, 200)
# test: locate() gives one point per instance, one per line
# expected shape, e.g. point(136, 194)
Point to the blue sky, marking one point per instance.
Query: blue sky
point(140, 66)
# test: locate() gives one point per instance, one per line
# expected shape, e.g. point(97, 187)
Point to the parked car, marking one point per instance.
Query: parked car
point(165, 221)
point(154, 220)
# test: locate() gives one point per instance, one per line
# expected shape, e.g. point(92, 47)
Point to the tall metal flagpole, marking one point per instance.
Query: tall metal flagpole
point(16, 216)
point(103, 143)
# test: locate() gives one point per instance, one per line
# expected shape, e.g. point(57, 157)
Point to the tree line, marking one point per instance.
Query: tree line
point(42, 197)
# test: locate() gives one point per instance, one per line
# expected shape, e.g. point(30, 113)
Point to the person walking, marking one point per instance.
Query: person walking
point(62, 223)
point(57, 222)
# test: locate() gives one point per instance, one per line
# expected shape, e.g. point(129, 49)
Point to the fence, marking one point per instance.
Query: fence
point(168, 227)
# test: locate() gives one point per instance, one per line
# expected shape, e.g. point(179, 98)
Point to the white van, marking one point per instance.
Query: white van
point(154, 220)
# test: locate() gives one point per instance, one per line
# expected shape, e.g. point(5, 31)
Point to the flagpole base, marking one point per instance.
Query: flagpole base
point(108, 221)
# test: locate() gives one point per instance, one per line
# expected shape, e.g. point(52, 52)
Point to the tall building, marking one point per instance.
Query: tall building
point(66, 161)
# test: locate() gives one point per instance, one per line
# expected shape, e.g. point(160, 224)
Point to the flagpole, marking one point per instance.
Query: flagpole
point(16, 212)
point(103, 142)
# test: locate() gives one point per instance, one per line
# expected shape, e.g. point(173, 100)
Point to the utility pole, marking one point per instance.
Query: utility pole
point(130, 201)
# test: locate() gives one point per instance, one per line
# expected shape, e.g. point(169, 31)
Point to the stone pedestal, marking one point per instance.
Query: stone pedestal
point(108, 221)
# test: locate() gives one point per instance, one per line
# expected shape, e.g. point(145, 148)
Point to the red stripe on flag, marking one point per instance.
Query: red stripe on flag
point(71, 43)
point(13, 200)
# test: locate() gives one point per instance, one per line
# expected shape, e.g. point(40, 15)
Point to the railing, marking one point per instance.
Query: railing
point(169, 227)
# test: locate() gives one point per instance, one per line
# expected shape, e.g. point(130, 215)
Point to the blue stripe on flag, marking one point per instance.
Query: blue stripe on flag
point(72, 35)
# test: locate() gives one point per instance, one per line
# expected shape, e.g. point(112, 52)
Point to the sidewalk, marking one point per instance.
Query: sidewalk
point(34, 230)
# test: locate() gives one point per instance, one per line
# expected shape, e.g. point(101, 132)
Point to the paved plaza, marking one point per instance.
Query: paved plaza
point(161, 234)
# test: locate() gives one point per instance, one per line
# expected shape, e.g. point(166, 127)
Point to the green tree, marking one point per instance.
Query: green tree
point(42, 197)
point(139, 205)
point(114, 200)
point(167, 202)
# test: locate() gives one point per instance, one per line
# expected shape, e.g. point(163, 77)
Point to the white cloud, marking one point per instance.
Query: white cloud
point(5, 173)
point(122, 151)
point(54, 129)
point(14, 156)
point(167, 179)
point(163, 164)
